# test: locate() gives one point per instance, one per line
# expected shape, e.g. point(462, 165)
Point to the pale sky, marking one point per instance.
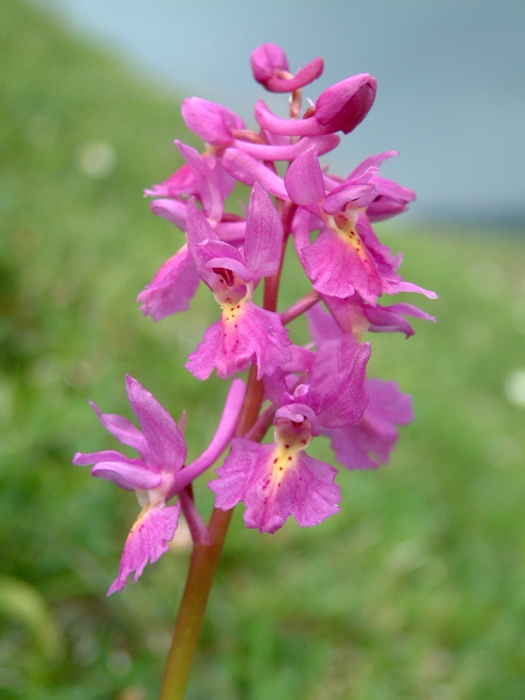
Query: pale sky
point(451, 78)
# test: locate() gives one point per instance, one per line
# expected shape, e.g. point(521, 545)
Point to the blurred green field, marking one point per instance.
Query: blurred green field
point(415, 591)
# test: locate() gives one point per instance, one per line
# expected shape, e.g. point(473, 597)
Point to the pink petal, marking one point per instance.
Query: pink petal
point(167, 446)
point(347, 401)
point(304, 179)
point(147, 541)
point(122, 429)
point(288, 151)
point(344, 105)
point(82, 459)
point(337, 269)
point(127, 475)
point(205, 181)
point(264, 235)
point(254, 335)
point(372, 162)
point(356, 193)
point(369, 443)
point(321, 326)
point(303, 77)
point(170, 209)
point(290, 127)
point(172, 287)
point(249, 170)
point(267, 58)
point(303, 487)
point(209, 120)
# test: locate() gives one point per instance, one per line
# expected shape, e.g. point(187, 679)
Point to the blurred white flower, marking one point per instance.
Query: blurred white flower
point(515, 387)
point(96, 159)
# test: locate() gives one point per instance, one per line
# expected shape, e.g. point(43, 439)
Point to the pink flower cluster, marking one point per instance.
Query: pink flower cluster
point(320, 389)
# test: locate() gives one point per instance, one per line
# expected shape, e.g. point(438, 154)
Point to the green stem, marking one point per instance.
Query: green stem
point(203, 565)
point(205, 558)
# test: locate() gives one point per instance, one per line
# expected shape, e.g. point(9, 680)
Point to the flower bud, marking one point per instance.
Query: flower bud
point(270, 67)
point(211, 121)
point(392, 199)
point(266, 59)
point(344, 105)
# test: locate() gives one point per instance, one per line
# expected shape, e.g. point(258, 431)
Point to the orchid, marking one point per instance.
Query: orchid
point(153, 476)
point(303, 392)
point(245, 331)
point(280, 479)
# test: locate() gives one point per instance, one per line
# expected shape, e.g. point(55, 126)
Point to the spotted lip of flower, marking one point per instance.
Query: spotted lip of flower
point(280, 479)
point(244, 331)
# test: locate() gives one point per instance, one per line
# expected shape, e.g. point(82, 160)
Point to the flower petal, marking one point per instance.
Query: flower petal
point(271, 490)
point(249, 170)
point(264, 235)
point(344, 105)
point(369, 443)
point(167, 446)
point(172, 287)
point(147, 541)
point(304, 179)
point(209, 120)
point(82, 459)
point(249, 334)
point(347, 401)
point(206, 183)
point(122, 429)
point(170, 209)
point(127, 475)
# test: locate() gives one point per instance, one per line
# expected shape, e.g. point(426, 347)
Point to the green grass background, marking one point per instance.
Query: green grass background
point(416, 590)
